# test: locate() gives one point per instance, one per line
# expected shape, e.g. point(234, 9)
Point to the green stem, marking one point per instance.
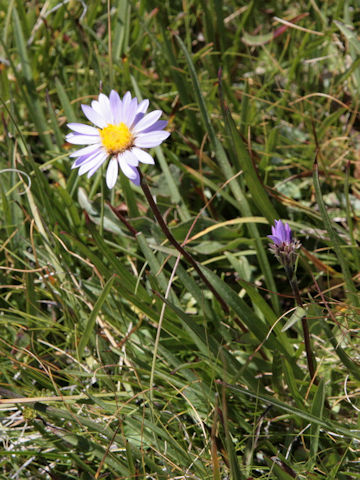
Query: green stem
point(309, 355)
point(102, 210)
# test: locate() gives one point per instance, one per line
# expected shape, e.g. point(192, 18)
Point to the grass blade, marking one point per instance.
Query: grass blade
point(351, 291)
point(32, 98)
point(317, 409)
point(327, 425)
point(253, 182)
point(93, 315)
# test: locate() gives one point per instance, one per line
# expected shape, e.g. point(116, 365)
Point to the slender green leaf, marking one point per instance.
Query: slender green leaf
point(296, 316)
point(245, 163)
point(93, 316)
point(351, 290)
point(317, 409)
point(327, 425)
point(32, 98)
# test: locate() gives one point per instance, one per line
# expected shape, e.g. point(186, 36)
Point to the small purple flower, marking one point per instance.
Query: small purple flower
point(284, 247)
point(280, 233)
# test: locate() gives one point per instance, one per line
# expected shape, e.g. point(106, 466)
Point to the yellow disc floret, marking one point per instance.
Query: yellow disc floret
point(116, 138)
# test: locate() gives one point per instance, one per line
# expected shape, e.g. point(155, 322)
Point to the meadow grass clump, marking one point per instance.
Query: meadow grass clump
point(147, 331)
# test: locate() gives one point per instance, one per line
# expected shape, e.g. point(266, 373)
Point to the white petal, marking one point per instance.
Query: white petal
point(149, 140)
point(102, 108)
point(82, 128)
point(125, 105)
point(78, 139)
point(143, 106)
point(147, 121)
point(116, 106)
point(95, 162)
point(130, 158)
point(84, 151)
point(127, 98)
point(137, 119)
point(94, 169)
point(85, 158)
point(112, 173)
point(131, 112)
point(126, 169)
point(136, 180)
point(142, 156)
point(96, 106)
point(94, 116)
point(156, 127)
point(105, 107)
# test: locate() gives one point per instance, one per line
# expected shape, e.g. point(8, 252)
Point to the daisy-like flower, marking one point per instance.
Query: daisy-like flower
point(122, 130)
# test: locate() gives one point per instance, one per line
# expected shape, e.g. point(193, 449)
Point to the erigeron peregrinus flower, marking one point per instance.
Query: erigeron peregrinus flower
point(122, 130)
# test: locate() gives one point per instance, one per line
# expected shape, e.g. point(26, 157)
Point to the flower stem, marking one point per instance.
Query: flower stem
point(122, 219)
point(309, 355)
point(178, 247)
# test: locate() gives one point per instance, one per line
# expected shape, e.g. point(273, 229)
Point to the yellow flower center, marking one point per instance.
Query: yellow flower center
point(116, 138)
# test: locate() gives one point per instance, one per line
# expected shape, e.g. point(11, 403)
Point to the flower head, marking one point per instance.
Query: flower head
point(280, 233)
point(122, 130)
point(284, 247)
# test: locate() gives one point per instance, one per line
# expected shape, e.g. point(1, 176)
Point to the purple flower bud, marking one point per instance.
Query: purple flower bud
point(284, 247)
point(280, 233)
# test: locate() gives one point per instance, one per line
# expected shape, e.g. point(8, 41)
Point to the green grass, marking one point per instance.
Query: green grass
point(116, 360)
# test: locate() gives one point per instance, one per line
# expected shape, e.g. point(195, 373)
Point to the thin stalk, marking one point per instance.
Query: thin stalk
point(102, 210)
point(178, 247)
point(122, 219)
point(111, 76)
point(309, 355)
